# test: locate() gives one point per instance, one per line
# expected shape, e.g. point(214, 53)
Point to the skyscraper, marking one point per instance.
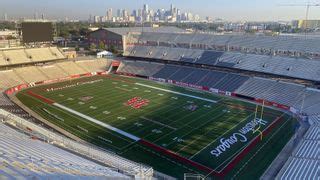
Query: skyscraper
point(146, 8)
point(5, 17)
point(125, 14)
point(35, 15)
point(171, 9)
point(119, 13)
point(109, 14)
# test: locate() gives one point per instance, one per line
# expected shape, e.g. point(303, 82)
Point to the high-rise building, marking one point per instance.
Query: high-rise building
point(146, 8)
point(5, 17)
point(35, 15)
point(134, 13)
point(171, 9)
point(119, 13)
point(125, 15)
point(90, 18)
point(109, 14)
point(96, 19)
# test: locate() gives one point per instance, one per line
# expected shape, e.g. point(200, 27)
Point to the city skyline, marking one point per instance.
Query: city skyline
point(228, 10)
point(147, 14)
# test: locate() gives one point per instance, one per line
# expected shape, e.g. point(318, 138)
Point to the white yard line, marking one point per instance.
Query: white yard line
point(175, 92)
point(220, 136)
point(130, 136)
point(159, 123)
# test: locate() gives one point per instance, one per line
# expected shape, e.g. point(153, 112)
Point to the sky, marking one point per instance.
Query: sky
point(233, 10)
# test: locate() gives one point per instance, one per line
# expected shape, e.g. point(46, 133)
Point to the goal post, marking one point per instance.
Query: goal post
point(255, 119)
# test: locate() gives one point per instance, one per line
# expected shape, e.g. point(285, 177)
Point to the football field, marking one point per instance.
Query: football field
point(186, 129)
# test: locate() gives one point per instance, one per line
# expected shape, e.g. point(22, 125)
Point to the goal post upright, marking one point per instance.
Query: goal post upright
point(255, 119)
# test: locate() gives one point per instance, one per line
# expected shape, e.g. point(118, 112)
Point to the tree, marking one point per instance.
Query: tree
point(113, 49)
point(93, 47)
point(102, 46)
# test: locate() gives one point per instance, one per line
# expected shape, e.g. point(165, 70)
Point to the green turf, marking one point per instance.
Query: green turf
point(165, 121)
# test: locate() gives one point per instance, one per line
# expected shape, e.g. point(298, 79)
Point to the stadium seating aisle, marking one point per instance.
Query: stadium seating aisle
point(24, 157)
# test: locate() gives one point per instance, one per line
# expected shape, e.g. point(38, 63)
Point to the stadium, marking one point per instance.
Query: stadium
point(174, 105)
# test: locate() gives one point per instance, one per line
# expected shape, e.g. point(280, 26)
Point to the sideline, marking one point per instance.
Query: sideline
point(175, 92)
point(130, 136)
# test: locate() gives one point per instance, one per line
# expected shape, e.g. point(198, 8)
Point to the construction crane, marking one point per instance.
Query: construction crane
point(307, 5)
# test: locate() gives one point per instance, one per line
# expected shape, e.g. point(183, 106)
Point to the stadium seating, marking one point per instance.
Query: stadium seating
point(304, 161)
point(141, 68)
point(32, 55)
point(209, 57)
point(52, 71)
point(22, 157)
point(71, 68)
point(94, 65)
point(274, 91)
point(214, 79)
point(315, 121)
point(284, 66)
point(292, 67)
point(9, 79)
point(16, 56)
point(166, 72)
point(181, 74)
point(30, 74)
point(254, 43)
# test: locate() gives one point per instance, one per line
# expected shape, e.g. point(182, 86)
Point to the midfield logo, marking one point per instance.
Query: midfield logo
point(137, 102)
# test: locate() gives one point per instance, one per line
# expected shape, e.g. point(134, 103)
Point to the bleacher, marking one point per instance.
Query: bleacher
point(284, 66)
point(25, 158)
point(52, 71)
point(9, 79)
point(96, 65)
point(29, 74)
point(274, 91)
point(304, 161)
point(261, 44)
point(30, 55)
point(141, 68)
point(16, 56)
point(209, 57)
